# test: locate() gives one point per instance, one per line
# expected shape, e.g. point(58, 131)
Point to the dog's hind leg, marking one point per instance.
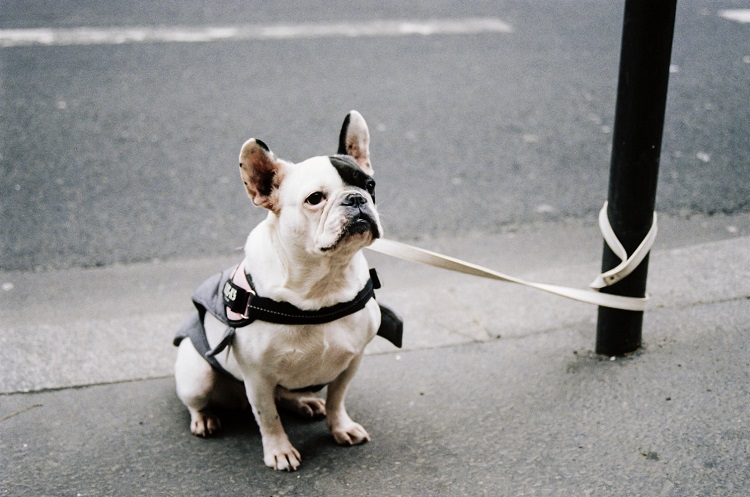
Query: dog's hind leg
point(306, 404)
point(197, 387)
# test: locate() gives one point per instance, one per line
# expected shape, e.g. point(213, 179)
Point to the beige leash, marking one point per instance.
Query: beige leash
point(416, 254)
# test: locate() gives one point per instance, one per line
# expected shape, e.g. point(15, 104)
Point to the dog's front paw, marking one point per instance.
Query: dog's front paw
point(349, 433)
point(281, 455)
point(204, 424)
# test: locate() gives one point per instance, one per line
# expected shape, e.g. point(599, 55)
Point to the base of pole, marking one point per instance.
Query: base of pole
point(618, 332)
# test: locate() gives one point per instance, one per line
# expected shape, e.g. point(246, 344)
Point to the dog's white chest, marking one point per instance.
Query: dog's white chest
point(298, 356)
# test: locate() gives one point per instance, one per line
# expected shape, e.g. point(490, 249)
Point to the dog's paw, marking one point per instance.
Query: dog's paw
point(204, 424)
point(281, 456)
point(307, 406)
point(349, 433)
point(311, 407)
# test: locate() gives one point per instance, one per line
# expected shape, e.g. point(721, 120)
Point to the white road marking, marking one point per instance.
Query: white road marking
point(197, 34)
point(739, 15)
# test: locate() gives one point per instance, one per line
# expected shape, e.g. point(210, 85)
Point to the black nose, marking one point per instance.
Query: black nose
point(354, 200)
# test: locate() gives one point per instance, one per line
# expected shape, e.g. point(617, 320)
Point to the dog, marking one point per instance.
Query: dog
point(305, 260)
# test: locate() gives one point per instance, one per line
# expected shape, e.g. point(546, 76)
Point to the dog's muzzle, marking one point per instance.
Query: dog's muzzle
point(359, 215)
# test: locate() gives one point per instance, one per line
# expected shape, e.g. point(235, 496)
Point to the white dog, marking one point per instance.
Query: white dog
point(296, 315)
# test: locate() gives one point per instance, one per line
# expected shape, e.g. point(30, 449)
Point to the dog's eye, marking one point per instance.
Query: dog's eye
point(315, 198)
point(370, 186)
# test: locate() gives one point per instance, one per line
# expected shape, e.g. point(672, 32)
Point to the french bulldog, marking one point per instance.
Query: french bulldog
point(307, 254)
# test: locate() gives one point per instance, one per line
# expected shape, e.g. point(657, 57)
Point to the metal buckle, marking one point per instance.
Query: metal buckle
point(251, 293)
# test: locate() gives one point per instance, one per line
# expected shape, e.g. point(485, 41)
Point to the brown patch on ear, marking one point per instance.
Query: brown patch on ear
point(261, 173)
point(354, 140)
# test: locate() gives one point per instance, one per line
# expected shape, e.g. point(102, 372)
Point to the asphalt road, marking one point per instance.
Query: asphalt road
point(122, 153)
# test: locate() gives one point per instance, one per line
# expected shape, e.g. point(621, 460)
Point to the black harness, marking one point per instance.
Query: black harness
point(252, 307)
point(237, 307)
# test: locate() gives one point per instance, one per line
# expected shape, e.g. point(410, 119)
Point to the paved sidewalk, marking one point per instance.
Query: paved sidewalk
point(496, 393)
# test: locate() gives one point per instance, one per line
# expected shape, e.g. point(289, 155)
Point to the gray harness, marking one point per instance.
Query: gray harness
point(220, 296)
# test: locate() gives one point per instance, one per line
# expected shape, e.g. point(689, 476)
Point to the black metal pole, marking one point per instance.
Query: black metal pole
point(648, 27)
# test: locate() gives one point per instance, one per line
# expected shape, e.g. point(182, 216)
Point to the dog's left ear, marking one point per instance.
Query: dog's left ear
point(261, 173)
point(354, 140)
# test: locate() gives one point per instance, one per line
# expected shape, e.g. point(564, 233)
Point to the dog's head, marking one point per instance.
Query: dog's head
point(325, 204)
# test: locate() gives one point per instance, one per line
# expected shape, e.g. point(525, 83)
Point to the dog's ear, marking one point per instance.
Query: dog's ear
point(354, 140)
point(261, 173)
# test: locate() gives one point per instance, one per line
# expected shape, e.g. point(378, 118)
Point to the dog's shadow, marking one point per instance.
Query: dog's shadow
point(239, 438)
point(239, 424)
point(239, 442)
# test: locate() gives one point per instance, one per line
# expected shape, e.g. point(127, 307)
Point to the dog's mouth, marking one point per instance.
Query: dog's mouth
point(357, 226)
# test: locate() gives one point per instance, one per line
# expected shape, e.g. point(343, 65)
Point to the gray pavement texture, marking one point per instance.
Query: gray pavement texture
point(497, 391)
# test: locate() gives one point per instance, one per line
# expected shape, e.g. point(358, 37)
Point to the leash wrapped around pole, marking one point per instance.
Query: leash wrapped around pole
point(629, 263)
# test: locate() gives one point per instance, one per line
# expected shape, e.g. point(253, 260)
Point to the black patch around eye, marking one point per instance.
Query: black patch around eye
point(352, 174)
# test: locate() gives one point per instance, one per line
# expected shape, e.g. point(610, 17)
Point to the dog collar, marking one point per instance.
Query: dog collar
point(243, 305)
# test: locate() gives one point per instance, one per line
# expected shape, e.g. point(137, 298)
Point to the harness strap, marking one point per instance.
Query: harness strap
point(243, 305)
point(193, 330)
